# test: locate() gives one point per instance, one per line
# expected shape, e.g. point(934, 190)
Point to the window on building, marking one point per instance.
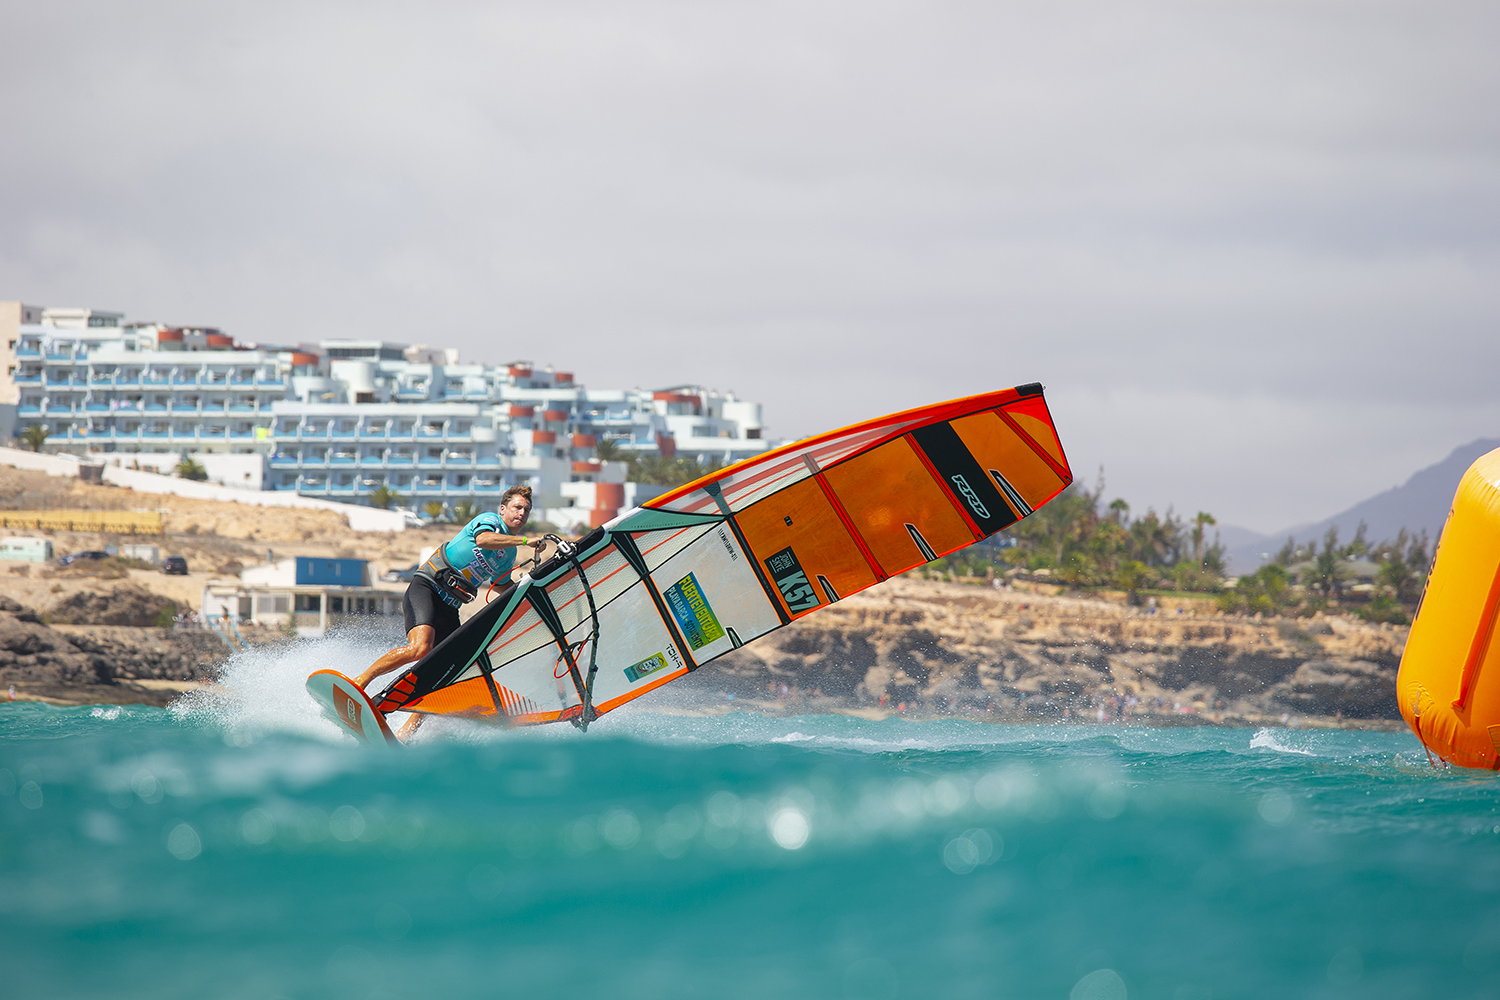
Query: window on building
point(335, 605)
point(309, 602)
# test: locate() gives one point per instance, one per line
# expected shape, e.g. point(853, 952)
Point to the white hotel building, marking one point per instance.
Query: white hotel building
point(340, 418)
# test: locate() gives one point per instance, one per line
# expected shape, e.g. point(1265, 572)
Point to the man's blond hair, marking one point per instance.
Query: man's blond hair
point(516, 491)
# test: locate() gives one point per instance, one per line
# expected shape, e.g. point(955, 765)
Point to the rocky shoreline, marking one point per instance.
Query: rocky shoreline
point(100, 664)
point(930, 648)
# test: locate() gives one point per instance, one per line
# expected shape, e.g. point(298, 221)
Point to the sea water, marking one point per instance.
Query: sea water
point(237, 845)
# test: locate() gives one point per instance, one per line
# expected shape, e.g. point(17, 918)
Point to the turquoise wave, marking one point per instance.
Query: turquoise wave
point(231, 848)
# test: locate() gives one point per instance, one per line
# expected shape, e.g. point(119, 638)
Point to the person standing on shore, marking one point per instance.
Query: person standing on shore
point(482, 553)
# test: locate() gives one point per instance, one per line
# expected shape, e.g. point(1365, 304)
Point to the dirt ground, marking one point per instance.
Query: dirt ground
point(217, 539)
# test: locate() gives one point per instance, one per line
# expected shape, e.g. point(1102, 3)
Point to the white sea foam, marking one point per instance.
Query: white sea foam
point(262, 690)
point(1267, 739)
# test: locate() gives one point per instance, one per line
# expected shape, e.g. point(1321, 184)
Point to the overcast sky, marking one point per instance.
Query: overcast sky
point(1251, 249)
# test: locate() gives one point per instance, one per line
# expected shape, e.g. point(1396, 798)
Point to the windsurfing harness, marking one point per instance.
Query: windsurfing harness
point(691, 575)
point(459, 568)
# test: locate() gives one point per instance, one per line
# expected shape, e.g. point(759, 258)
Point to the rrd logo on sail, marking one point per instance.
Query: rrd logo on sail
point(970, 497)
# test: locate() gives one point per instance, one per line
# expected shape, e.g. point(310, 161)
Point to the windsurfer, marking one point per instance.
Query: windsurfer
point(484, 552)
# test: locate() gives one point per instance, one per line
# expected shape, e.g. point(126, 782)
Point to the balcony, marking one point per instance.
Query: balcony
point(481, 486)
point(429, 433)
point(28, 352)
point(242, 382)
point(428, 462)
point(242, 435)
point(346, 435)
point(184, 380)
point(241, 408)
point(271, 383)
point(343, 461)
point(399, 460)
point(284, 461)
point(155, 380)
point(29, 410)
point(375, 460)
point(35, 378)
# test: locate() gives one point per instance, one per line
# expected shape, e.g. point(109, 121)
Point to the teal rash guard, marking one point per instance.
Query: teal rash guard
point(479, 567)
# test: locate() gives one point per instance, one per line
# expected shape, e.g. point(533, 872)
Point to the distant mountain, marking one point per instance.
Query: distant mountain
point(1420, 503)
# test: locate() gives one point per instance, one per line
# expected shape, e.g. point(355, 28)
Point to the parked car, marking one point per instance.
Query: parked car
point(174, 566)
point(400, 575)
point(91, 554)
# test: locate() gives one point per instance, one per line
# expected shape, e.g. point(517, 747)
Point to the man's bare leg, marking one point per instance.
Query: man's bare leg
point(418, 645)
point(412, 725)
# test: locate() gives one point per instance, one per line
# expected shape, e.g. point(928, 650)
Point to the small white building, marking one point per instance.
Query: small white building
point(310, 593)
point(26, 549)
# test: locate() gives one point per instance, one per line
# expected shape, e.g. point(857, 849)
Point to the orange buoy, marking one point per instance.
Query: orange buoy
point(1449, 682)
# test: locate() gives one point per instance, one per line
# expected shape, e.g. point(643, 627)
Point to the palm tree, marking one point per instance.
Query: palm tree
point(434, 509)
point(34, 436)
point(191, 468)
point(465, 511)
point(609, 450)
point(384, 497)
point(1201, 521)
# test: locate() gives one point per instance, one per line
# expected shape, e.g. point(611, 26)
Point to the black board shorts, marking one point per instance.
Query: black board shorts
point(423, 606)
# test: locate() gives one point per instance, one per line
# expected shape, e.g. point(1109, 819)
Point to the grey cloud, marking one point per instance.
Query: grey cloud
point(1251, 247)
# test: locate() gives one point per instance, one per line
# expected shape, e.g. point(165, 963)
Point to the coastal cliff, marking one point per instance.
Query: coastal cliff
point(937, 647)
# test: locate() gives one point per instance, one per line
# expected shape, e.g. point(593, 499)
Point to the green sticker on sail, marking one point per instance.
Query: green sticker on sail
point(649, 665)
point(691, 609)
